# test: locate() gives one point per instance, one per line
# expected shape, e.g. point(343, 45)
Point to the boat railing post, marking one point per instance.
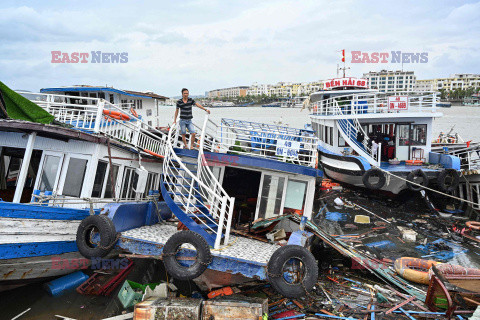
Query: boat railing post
point(374, 103)
point(220, 222)
point(379, 154)
point(434, 102)
point(98, 117)
point(24, 168)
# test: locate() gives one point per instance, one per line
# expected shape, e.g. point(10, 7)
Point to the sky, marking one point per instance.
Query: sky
point(209, 44)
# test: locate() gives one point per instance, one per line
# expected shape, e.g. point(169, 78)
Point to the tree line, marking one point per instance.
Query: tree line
point(458, 94)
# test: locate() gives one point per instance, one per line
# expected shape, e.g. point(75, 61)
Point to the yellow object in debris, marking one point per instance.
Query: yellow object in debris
point(362, 219)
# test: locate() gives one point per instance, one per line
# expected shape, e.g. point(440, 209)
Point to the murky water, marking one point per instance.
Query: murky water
point(465, 119)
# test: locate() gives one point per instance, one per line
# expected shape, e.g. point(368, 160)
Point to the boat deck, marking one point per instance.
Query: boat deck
point(402, 167)
point(248, 257)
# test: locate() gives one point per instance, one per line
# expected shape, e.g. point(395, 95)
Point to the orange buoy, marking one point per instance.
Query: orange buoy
point(132, 111)
point(153, 153)
point(474, 225)
point(116, 115)
point(409, 162)
point(414, 269)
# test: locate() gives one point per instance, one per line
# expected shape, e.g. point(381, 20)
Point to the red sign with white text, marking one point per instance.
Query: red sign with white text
point(398, 103)
point(345, 82)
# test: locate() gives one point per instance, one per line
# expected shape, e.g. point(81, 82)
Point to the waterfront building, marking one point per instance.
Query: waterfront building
point(146, 104)
point(455, 81)
point(391, 81)
point(285, 89)
point(233, 92)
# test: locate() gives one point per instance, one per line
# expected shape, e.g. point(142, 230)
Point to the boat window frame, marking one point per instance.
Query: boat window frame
point(287, 177)
point(86, 178)
point(46, 153)
point(104, 181)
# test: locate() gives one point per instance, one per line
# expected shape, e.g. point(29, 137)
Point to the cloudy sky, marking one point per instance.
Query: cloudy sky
point(208, 44)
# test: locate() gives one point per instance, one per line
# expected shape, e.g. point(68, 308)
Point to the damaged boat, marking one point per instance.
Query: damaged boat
point(379, 141)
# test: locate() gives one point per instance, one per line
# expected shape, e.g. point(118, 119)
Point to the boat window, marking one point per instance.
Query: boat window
point(130, 178)
point(271, 196)
point(49, 173)
point(295, 196)
point(403, 134)
point(419, 135)
point(341, 141)
point(74, 177)
point(100, 177)
point(151, 182)
point(108, 187)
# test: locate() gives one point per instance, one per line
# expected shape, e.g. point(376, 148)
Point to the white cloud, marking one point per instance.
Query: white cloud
point(207, 44)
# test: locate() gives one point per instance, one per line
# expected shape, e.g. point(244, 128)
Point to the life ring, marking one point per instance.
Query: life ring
point(203, 257)
point(133, 112)
point(315, 108)
point(276, 272)
point(116, 115)
point(411, 178)
point(444, 176)
point(374, 172)
point(414, 269)
point(474, 225)
point(91, 228)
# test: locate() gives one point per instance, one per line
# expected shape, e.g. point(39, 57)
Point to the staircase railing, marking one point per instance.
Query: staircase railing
point(199, 195)
point(350, 129)
point(206, 175)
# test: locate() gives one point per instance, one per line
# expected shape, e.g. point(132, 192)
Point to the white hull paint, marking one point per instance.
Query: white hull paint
point(18, 230)
point(23, 270)
point(393, 185)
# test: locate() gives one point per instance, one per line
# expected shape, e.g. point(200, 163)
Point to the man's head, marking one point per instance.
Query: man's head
point(185, 93)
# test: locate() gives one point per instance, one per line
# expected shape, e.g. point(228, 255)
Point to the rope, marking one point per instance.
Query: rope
point(427, 188)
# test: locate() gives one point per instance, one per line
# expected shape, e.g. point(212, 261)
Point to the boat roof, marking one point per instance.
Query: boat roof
point(316, 96)
point(84, 88)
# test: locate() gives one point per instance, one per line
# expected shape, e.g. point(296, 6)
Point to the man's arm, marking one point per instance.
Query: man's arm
point(201, 107)
point(175, 116)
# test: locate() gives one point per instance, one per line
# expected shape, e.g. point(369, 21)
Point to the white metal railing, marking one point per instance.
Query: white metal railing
point(99, 116)
point(197, 192)
point(374, 102)
point(261, 140)
point(350, 129)
point(469, 158)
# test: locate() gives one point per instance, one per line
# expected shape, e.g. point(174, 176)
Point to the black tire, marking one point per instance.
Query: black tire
point(411, 178)
point(106, 230)
point(275, 271)
point(446, 175)
point(175, 269)
point(374, 172)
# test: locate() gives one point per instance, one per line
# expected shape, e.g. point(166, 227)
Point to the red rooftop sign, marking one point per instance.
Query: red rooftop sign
point(345, 82)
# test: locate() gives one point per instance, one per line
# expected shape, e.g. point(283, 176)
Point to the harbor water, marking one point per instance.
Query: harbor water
point(465, 119)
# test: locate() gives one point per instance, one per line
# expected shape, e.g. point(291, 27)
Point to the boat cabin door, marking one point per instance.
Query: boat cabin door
point(402, 142)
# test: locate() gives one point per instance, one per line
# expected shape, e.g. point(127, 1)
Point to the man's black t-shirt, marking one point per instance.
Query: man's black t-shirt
point(185, 108)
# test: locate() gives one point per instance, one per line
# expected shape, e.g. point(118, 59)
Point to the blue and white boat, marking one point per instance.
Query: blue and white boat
point(369, 138)
point(61, 160)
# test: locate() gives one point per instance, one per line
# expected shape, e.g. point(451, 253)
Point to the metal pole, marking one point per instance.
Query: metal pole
point(24, 169)
point(98, 118)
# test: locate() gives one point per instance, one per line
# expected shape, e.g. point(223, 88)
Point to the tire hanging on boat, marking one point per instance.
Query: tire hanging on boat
point(203, 257)
point(374, 172)
point(90, 229)
point(276, 273)
point(411, 178)
point(444, 176)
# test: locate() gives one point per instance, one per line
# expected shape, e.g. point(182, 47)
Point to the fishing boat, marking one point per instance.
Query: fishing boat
point(377, 140)
point(62, 160)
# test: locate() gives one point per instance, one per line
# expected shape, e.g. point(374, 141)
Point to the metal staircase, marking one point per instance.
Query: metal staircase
point(194, 195)
point(349, 129)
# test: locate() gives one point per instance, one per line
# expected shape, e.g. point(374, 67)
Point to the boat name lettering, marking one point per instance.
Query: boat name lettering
point(345, 82)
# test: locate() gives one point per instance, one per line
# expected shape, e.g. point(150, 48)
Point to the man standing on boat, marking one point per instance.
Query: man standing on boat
point(186, 115)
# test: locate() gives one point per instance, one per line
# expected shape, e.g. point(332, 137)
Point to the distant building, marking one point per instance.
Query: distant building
point(146, 104)
point(233, 92)
point(285, 89)
point(455, 81)
point(391, 81)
